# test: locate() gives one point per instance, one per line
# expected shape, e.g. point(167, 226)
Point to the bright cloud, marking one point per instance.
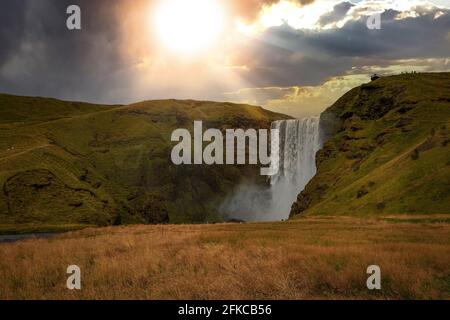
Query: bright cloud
point(309, 16)
point(298, 101)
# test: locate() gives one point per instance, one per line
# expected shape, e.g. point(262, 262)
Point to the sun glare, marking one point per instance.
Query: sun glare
point(188, 27)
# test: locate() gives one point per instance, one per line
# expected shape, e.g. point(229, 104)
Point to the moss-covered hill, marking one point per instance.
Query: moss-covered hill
point(387, 150)
point(75, 163)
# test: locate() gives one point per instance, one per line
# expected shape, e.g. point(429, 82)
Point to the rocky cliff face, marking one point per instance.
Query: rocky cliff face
point(386, 151)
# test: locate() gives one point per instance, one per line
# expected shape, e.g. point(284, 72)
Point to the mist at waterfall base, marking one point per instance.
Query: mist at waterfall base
point(299, 143)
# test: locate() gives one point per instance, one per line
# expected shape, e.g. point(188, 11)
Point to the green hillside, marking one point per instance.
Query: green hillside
point(388, 150)
point(66, 164)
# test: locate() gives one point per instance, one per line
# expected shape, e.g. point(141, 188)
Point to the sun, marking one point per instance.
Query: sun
point(188, 27)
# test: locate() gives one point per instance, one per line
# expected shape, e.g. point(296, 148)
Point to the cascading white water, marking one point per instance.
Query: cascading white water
point(299, 143)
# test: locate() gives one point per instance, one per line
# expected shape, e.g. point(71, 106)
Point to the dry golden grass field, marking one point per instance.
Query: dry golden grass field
point(307, 258)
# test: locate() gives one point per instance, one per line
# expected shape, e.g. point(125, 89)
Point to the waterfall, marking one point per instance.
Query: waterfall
point(299, 143)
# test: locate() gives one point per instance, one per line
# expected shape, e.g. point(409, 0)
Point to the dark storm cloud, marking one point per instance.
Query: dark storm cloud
point(288, 57)
point(40, 56)
point(273, 65)
point(11, 27)
point(423, 36)
point(339, 12)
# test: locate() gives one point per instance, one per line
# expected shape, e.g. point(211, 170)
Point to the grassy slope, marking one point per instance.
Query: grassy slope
point(391, 151)
point(315, 257)
point(74, 163)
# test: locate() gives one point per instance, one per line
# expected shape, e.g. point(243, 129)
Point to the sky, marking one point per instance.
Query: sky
point(291, 56)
